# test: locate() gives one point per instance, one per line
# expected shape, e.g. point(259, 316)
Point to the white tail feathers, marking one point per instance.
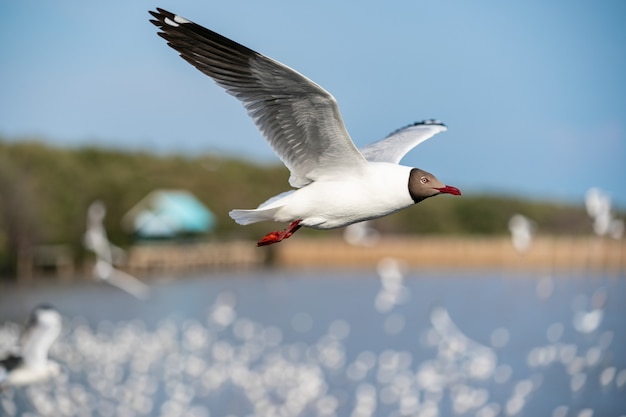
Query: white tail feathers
point(265, 212)
point(245, 217)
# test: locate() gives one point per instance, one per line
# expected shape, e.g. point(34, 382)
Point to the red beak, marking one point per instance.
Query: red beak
point(448, 189)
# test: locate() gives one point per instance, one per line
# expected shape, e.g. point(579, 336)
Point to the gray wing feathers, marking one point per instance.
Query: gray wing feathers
point(300, 120)
point(393, 148)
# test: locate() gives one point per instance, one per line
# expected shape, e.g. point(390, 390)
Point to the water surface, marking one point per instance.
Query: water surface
point(391, 342)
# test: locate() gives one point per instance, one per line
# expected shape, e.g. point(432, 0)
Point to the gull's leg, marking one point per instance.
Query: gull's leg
point(275, 237)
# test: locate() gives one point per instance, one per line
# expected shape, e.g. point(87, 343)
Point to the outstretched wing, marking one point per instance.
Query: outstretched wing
point(300, 120)
point(399, 143)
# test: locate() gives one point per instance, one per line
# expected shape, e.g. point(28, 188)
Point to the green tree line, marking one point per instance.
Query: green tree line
point(45, 192)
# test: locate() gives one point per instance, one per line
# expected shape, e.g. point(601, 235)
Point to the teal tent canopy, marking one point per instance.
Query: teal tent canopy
point(169, 213)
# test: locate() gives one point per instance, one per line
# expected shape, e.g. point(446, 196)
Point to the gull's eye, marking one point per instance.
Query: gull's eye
point(423, 180)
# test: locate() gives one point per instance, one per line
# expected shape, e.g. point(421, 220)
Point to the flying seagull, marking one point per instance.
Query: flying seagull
point(522, 231)
point(31, 364)
point(96, 240)
point(335, 184)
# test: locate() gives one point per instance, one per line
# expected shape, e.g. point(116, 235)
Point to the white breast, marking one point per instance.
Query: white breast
point(346, 199)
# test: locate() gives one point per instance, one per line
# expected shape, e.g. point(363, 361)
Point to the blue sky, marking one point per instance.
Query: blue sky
point(533, 92)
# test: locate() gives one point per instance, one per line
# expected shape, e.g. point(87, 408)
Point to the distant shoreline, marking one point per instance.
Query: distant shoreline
point(546, 253)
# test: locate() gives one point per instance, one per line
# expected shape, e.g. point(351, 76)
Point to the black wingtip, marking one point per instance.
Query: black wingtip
point(161, 15)
point(427, 122)
point(159, 19)
point(434, 122)
point(162, 12)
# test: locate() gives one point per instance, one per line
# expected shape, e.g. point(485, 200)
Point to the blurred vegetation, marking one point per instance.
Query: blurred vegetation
point(45, 192)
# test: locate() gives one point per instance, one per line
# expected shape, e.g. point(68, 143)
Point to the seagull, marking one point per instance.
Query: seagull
point(598, 205)
point(522, 231)
point(335, 184)
point(31, 364)
point(96, 240)
point(361, 234)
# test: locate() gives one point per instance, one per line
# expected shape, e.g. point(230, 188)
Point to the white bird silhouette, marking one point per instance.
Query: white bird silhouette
point(31, 364)
point(522, 231)
point(361, 234)
point(598, 205)
point(96, 240)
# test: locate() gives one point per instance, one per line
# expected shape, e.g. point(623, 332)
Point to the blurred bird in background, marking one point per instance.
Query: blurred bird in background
point(30, 364)
point(96, 240)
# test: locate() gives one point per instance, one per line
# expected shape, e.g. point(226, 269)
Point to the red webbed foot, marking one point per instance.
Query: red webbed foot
point(275, 237)
point(270, 238)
